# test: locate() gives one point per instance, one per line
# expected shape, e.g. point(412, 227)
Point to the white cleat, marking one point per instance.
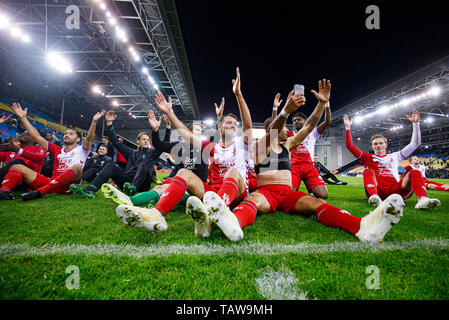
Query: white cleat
point(111, 192)
point(374, 200)
point(378, 222)
point(196, 209)
point(220, 214)
point(149, 219)
point(428, 203)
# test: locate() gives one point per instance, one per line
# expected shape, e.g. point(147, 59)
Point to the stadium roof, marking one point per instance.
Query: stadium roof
point(122, 52)
point(426, 89)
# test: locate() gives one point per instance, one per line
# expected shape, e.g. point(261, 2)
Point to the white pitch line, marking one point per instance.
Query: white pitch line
point(250, 248)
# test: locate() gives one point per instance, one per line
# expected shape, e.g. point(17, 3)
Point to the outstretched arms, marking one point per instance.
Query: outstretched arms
point(276, 104)
point(87, 142)
point(323, 96)
point(167, 108)
point(416, 135)
point(245, 115)
point(327, 119)
point(348, 138)
point(22, 115)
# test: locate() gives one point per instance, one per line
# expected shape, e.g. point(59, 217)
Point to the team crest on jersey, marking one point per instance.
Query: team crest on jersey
point(53, 182)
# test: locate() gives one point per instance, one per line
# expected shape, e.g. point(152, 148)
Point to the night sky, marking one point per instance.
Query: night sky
point(279, 43)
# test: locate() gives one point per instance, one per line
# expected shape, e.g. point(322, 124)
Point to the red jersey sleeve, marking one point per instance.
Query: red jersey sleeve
point(351, 147)
point(54, 150)
point(33, 153)
point(208, 147)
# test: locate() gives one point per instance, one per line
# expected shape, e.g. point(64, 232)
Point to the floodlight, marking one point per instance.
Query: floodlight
point(58, 62)
point(4, 21)
point(209, 122)
point(145, 70)
point(112, 21)
point(155, 86)
point(15, 32)
point(358, 119)
point(435, 91)
point(26, 38)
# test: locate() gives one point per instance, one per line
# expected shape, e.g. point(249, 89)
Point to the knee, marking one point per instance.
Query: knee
point(322, 195)
point(19, 167)
point(77, 168)
point(184, 173)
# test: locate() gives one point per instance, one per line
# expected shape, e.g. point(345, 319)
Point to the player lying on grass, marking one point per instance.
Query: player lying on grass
point(139, 171)
point(381, 177)
point(430, 185)
point(275, 181)
point(68, 163)
point(227, 174)
point(23, 151)
point(301, 157)
point(186, 157)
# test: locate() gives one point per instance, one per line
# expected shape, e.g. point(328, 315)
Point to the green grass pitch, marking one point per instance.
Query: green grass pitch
point(41, 239)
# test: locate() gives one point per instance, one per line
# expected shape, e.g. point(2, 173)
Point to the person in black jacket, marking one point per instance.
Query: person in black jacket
point(185, 157)
point(95, 164)
point(139, 171)
point(326, 174)
point(110, 148)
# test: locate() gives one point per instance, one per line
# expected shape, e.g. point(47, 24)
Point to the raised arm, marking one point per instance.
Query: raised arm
point(167, 108)
point(22, 115)
point(348, 138)
point(416, 136)
point(110, 117)
point(323, 97)
point(155, 139)
point(327, 119)
point(220, 109)
point(87, 142)
point(245, 115)
point(276, 104)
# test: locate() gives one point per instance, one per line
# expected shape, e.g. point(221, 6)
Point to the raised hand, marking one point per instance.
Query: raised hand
point(219, 109)
point(110, 116)
point(294, 101)
point(277, 102)
point(347, 121)
point(167, 121)
point(17, 108)
point(324, 93)
point(98, 115)
point(4, 119)
point(236, 83)
point(414, 118)
point(164, 105)
point(154, 123)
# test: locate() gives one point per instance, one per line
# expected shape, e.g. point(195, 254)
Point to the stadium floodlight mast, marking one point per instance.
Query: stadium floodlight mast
point(59, 63)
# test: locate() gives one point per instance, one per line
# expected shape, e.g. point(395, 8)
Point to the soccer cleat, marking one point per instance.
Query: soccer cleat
point(428, 203)
point(149, 219)
point(196, 209)
point(31, 195)
point(87, 193)
point(341, 183)
point(378, 222)
point(111, 192)
point(374, 200)
point(6, 195)
point(220, 214)
point(129, 189)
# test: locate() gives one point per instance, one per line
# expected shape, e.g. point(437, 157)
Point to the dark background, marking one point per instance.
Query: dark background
point(279, 43)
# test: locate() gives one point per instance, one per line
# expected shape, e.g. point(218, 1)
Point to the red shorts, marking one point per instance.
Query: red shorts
point(384, 191)
point(41, 181)
point(215, 189)
point(252, 184)
point(306, 172)
point(281, 196)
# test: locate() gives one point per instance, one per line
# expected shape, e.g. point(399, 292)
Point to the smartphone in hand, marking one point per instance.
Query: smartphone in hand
point(299, 88)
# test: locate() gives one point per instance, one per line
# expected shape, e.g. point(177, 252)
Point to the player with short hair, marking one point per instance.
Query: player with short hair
point(415, 164)
point(139, 171)
point(68, 164)
point(381, 177)
point(303, 168)
point(227, 173)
